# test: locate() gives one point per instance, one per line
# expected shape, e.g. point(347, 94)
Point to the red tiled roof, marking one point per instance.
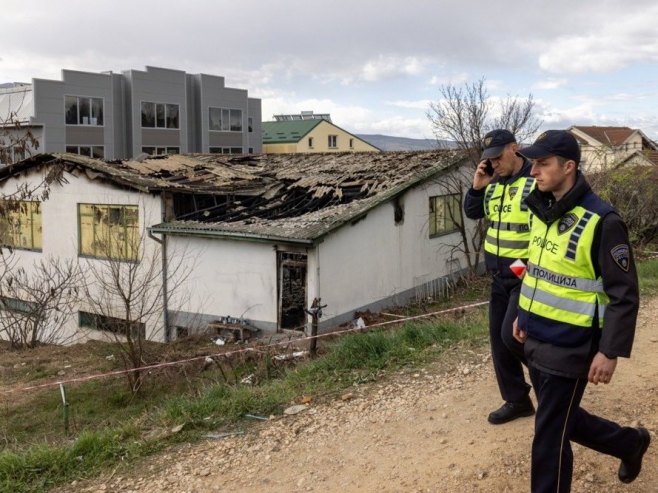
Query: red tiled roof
point(607, 135)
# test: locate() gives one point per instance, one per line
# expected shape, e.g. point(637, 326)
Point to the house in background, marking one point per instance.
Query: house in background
point(120, 115)
point(309, 133)
point(258, 237)
point(609, 147)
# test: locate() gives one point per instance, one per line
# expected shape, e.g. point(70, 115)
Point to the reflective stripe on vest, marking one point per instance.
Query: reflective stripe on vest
point(593, 286)
point(560, 282)
point(510, 226)
point(508, 233)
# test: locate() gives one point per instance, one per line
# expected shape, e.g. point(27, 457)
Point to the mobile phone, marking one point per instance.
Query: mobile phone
point(488, 169)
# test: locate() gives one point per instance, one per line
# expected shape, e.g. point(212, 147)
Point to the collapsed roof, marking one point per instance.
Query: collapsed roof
point(295, 197)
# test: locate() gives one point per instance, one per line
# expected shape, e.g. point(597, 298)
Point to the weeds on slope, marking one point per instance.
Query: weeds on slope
point(351, 359)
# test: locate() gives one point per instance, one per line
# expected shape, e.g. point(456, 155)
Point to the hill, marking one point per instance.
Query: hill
point(390, 143)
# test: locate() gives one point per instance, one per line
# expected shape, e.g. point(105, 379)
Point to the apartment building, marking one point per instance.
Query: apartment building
point(121, 115)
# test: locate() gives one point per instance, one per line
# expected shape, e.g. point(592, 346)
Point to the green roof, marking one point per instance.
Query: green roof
point(287, 132)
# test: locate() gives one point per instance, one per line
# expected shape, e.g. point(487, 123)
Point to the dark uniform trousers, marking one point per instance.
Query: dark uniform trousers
point(560, 420)
point(506, 352)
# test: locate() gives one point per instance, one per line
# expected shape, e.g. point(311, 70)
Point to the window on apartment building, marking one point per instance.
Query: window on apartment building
point(96, 152)
point(310, 142)
point(333, 141)
point(109, 231)
point(160, 150)
point(20, 224)
point(351, 143)
point(160, 115)
point(250, 124)
point(83, 110)
point(112, 325)
point(226, 150)
point(445, 214)
point(225, 120)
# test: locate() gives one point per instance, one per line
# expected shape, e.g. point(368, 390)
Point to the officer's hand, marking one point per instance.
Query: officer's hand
point(519, 335)
point(481, 179)
point(601, 369)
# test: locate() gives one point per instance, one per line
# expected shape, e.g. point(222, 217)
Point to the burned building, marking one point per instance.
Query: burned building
point(265, 235)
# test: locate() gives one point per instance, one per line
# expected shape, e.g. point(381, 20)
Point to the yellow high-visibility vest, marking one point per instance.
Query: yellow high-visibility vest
point(508, 233)
point(560, 282)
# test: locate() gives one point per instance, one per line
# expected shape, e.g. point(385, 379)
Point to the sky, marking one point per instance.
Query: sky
point(374, 65)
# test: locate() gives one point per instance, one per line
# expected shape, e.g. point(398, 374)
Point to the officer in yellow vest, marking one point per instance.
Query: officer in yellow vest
point(577, 314)
point(500, 184)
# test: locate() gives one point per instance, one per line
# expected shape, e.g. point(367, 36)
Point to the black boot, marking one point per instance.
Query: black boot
point(630, 469)
point(511, 411)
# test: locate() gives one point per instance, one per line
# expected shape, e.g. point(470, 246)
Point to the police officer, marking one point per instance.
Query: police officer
point(577, 314)
point(500, 184)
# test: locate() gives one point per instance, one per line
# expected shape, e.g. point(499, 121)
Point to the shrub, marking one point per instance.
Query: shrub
point(633, 191)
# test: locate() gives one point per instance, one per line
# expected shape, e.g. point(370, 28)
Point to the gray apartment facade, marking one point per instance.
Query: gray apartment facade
point(121, 115)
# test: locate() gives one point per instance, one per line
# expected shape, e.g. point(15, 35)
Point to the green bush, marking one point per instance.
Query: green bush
point(633, 191)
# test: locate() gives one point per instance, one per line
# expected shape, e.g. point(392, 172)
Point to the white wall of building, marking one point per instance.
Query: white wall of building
point(59, 219)
point(227, 278)
point(376, 260)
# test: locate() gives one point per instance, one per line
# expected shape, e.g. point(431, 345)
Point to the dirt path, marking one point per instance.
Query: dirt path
point(422, 431)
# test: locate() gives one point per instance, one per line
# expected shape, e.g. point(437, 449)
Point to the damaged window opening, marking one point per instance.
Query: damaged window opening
point(292, 290)
point(109, 231)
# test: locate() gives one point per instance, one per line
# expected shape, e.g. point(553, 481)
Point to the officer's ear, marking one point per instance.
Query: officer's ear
point(570, 166)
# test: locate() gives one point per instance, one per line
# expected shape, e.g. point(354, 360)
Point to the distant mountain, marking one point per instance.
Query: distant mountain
point(389, 143)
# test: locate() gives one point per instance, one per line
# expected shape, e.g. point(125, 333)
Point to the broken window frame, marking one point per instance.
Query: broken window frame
point(108, 231)
point(440, 221)
point(20, 225)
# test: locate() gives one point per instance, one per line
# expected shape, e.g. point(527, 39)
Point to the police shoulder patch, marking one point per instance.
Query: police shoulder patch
point(621, 255)
point(566, 223)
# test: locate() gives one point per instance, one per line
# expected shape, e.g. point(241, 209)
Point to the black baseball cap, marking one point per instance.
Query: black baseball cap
point(495, 141)
point(553, 143)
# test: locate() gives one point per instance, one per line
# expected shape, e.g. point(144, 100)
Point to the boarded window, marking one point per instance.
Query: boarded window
point(20, 224)
point(109, 231)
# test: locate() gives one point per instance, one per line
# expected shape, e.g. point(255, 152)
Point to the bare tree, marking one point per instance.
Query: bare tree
point(125, 293)
point(17, 140)
point(35, 306)
point(463, 115)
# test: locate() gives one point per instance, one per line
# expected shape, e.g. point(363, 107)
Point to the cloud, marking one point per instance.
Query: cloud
point(389, 67)
point(616, 42)
point(422, 104)
point(549, 84)
point(454, 79)
point(415, 128)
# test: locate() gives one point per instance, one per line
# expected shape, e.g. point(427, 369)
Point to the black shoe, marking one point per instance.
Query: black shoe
point(630, 469)
point(511, 411)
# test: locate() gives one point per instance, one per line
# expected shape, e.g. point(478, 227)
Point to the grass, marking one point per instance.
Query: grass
point(121, 429)
point(648, 274)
